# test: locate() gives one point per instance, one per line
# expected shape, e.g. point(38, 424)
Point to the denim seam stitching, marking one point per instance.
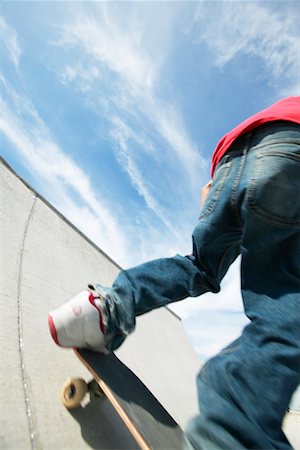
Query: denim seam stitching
point(278, 141)
point(234, 195)
point(222, 259)
point(290, 155)
point(212, 206)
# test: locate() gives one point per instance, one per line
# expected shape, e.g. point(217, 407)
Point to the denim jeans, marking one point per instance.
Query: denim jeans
point(252, 210)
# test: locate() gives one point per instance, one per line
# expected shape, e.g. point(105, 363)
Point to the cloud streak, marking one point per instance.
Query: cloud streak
point(120, 135)
point(223, 312)
point(110, 47)
point(28, 134)
point(103, 38)
point(251, 28)
point(11, 42)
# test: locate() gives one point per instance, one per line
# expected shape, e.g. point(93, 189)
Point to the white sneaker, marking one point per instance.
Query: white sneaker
point(80, 322)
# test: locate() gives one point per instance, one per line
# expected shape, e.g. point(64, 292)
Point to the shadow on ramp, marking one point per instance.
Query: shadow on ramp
point(101, 427)
point(126, 391)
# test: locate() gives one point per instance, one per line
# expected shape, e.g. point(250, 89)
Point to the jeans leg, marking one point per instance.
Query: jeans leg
point(163, 281)
point(245, 390)
point(149, 286)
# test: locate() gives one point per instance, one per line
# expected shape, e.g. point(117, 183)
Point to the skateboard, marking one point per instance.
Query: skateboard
point(146, 419)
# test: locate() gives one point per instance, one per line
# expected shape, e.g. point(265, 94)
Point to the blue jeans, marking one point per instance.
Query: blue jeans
point(252, 210)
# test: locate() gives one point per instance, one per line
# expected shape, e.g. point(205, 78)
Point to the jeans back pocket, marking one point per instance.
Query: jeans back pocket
point(274, 190)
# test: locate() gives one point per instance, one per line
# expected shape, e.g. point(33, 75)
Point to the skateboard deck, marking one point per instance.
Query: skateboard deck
point(147, 420)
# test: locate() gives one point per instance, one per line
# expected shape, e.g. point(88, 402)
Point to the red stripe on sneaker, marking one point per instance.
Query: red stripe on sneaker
point(92, 301)
point(53, 330)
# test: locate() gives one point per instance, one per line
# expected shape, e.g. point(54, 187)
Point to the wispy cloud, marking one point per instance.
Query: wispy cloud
point(213, 321)
point(252, 28)
point(170, 124)
point(85, 75)
point(229, 301)
point(11, 41)
point(131, 76)
point(104, 38)
point(120, 134)
point(212, 331)
point(23, 127)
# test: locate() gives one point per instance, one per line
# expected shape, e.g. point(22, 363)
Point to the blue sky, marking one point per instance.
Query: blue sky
point(111, 110)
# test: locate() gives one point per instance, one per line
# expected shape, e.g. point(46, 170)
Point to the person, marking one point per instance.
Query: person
point(252, 209)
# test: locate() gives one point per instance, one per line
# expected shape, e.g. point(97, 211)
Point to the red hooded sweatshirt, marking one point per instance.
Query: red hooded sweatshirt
point(285, 109)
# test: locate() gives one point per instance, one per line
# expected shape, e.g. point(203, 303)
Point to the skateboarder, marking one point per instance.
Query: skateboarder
point(252, 209)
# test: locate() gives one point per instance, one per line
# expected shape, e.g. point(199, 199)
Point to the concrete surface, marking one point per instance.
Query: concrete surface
point(44, 261)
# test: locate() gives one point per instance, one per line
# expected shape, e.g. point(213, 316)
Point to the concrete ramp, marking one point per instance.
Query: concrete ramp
point(44, 261)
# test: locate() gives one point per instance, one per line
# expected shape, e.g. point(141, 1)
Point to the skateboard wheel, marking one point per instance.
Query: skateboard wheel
point(73, 392)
